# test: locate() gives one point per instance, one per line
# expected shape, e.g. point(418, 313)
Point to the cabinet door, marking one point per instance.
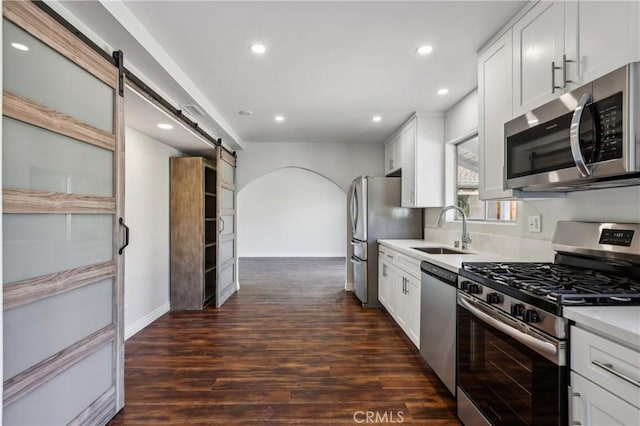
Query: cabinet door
point(595, 51)
point(392, 289)
point(388, 157)
point(413, 309)
point(592, 405)
point(401, 301)
point(494, 92)
point(383, 282)
point(538, 44)
point(408, 141)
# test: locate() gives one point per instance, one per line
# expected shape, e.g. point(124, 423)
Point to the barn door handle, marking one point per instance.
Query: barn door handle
point(126, 235)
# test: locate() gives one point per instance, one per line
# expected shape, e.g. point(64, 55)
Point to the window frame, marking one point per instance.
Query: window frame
point(451, 182)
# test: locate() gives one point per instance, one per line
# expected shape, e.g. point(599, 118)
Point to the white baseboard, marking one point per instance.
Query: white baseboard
point(146, 320)
point(348, 286)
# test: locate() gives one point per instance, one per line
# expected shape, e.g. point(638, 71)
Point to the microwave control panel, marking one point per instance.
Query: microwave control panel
point(608, 127)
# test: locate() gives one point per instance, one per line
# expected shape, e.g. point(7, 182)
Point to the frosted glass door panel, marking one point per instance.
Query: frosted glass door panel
point(229, 225)
point(38, 330)
point(48, 78)
point(35, 158)
point(228, 174)
point(227, 276)
point(39, 244)
point(228, 199)
point(59, 400)
point(226, 250)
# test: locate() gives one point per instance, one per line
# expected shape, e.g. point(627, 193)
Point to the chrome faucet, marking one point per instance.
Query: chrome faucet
point(465, 235)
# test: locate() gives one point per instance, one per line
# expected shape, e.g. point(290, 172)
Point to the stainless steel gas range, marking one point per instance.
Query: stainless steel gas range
point(512, 337)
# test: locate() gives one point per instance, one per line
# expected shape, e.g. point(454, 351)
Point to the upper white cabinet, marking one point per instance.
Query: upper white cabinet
point(558, 46)
point(494, 96)
point(422, 161)
point(538, 46)
point(392, 155)
point(600, 36)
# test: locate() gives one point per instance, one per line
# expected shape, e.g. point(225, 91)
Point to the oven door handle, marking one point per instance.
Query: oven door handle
point(529, 341)
point(574, 137)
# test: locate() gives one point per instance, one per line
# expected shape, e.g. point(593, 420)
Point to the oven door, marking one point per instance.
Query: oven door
point(508, 372)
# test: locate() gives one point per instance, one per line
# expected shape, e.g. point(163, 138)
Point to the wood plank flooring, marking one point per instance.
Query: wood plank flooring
point(291, 347)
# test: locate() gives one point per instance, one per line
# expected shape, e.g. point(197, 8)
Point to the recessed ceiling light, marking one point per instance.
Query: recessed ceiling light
point(424, 50)
point(245, 112)
point(443, 91)
point(376, 118)
point(278, 118)
point(165, 126)
point(258, 48)
point(20, 46)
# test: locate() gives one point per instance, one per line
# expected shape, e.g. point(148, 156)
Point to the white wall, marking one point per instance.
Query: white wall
point(146, 286)
point(339, 162)
point(614, 204)
point(291, 212)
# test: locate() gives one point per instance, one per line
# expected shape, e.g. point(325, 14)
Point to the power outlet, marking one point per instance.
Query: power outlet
point(535, 223)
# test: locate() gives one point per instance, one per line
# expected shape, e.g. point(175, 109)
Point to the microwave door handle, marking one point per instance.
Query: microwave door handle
point(574, 137)
point(531, 342)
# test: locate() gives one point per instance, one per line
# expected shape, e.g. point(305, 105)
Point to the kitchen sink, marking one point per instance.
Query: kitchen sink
point(439, 250)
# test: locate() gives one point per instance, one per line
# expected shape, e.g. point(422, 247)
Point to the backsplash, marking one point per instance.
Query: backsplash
point(511, 247)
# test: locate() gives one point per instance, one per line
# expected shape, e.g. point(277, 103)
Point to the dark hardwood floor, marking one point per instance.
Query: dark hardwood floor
point(291, 347)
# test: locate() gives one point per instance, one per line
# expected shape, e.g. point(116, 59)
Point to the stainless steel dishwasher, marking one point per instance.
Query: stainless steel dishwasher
point(438, 322)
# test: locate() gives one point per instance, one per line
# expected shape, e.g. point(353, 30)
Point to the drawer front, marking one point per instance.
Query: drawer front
point(612, 366)
point(410, 265)
point(388, 255)
point(592, 405)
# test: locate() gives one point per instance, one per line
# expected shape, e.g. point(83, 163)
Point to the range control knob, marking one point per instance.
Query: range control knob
point(531, 316)
point(464, 286)
point(474, 288)
point(517, 310)
point(494, 298)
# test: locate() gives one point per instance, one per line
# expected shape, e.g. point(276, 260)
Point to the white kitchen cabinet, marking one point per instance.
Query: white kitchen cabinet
point(423, 161)
point(538, 46)
point(591, 405)
point(387, 278)
point(495, 98)
point(604, 377)
point(600, 36)
point(399, 290)
point(392, 156)
point(558, 46)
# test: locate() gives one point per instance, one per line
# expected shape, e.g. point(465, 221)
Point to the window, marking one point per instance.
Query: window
point(467, 184)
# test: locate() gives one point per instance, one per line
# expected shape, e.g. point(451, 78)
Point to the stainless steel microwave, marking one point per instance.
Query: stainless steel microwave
point(585, 139)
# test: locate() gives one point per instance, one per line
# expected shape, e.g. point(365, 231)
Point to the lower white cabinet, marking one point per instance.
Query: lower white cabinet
point(604, 381)
point(399, 290)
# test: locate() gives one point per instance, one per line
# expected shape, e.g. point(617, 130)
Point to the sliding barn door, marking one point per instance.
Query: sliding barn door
point(227, 250)
point(62, 153)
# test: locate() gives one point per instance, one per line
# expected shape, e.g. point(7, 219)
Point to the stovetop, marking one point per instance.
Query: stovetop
point(551, 286)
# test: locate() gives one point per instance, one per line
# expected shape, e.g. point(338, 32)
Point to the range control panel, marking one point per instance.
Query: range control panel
point(617, 237)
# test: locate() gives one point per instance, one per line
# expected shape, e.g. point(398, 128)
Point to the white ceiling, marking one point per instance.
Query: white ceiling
point(330, 66)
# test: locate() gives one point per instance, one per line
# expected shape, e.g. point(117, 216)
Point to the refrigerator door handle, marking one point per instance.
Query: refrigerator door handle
point(354, 208)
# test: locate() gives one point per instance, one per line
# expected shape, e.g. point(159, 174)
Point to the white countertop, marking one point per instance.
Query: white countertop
point(451, 262)
point(620, 323)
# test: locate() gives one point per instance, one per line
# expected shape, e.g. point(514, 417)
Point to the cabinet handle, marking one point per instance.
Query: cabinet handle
point(222, 224)
point(384, 270)
point(391, 164)
point(553, 77)
point(570, 407)
point(610, 369)
point(390, 257)
point(565, 61)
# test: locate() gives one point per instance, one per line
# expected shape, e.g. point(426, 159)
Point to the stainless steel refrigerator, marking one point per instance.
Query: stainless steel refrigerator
point(375, 213)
